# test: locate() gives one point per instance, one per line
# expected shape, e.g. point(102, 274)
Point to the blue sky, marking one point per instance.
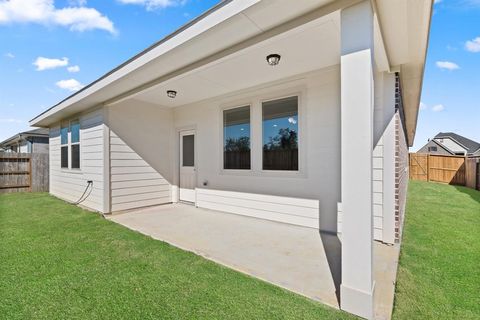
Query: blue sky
point(97, 35)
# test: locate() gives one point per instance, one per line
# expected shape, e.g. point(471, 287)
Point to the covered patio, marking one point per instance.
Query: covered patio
point(298, 259)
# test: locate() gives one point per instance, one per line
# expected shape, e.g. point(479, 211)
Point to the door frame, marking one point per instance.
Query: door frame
point(178, 159)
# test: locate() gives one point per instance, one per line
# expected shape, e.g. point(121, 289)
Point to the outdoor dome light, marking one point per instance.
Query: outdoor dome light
point(171, 93)
point(273, 59)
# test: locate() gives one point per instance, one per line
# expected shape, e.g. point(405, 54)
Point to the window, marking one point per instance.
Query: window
point(64, 146)
point(432, 148)
point(236, 138)
point(75, 144)
point(280, 134)
point(188, 151)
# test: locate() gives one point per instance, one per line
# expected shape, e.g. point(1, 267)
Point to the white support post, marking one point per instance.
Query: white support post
point(357, 101)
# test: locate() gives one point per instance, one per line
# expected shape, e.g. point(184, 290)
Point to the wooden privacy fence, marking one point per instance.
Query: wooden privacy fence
point(21, 172)
point(457, 170)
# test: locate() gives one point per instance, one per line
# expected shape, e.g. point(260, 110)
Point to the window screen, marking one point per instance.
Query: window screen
point(236, 138)
point(75, 144)
point(188, 151)
point(280, 134)
point(64, 157)
point(75, 156)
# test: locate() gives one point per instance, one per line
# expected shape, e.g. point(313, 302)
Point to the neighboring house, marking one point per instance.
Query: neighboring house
point(300, 113)
point(33, 141)
point(449, 143)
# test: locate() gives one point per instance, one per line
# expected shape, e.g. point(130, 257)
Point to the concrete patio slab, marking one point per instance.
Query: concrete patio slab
point(299, 259)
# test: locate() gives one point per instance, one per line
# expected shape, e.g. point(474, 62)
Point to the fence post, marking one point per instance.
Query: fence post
point(428, 167)
point(30, 173)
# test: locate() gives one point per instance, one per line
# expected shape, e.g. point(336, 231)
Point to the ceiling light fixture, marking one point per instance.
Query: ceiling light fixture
point(171, 93)
point(273, 59)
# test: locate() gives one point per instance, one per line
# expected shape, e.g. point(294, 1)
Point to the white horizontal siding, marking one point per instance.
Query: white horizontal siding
point(134, 183)
point(69, 184)
point(377, 177)
point(302, 212)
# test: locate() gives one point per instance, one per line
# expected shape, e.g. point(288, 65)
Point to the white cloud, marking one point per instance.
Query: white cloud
point(75, 3)
point(9, 55)
point(473, 45)
point(73, 69)
point(70, 84)
point(447, 65)
point(43, 63)
point(438, 108)
point(10, 120)
point(423, 106)
point(76, 18)
point(154, 4)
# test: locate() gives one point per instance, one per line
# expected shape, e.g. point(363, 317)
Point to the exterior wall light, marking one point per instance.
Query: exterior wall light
point(171, 93)
point(273, 59)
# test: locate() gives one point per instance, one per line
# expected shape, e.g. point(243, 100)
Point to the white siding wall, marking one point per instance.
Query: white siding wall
point(319, 154)
point(378, 190)
point(302, 212)
point(384, 110)
point(134, 183)
point(141, 144)
point(69, 184)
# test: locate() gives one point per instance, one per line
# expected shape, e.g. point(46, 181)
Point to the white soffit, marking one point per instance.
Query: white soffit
point(223, 27)
point(405, 26)
point(310, 47)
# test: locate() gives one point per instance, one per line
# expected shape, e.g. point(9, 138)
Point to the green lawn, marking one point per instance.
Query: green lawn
point(58, 261)
point(439, 272)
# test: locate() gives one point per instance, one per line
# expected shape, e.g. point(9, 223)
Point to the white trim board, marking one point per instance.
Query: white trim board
point(296, 211)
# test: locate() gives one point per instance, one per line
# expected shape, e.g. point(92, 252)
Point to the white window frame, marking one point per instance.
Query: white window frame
point(65, 124)
point(69, 146)
point(256, 132)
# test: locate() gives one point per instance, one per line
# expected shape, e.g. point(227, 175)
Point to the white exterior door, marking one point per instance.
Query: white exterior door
point(188, 176)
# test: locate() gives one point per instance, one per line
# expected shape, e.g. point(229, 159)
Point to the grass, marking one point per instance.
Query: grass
point(58, 261)
point(439, 270)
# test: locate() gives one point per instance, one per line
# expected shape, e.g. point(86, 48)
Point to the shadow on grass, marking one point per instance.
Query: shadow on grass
point(474, 194)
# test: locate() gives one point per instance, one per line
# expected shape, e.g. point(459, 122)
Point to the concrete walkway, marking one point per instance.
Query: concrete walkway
point(299, 259)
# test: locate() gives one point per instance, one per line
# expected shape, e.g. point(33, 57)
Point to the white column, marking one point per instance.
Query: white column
point(357, 98)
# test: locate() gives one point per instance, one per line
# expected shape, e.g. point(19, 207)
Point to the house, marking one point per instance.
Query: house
point(300, 114)
point(33, 141)
point(449, 143)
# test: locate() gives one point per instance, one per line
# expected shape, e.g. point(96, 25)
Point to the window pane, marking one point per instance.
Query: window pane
point(75, 156)
point(64, 135)
point(188, 151)
point(236, 138)
point(64, 157)
point(280, 134)
point(75, 131)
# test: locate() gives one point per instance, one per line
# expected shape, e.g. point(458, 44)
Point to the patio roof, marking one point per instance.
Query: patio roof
point(226, 30)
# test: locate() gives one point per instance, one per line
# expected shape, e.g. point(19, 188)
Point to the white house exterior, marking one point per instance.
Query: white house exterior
point(346, 90)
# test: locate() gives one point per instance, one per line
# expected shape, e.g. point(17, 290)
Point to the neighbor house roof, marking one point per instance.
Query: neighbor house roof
point(40, 132)
point(470, 145)
point(235, 24)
